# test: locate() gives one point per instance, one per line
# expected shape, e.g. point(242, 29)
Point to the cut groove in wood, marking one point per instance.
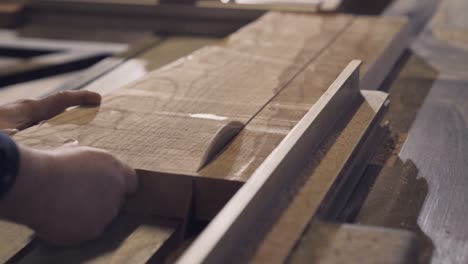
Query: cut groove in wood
point(221, 138)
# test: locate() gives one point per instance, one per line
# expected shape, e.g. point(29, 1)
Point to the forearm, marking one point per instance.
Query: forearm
point(19, 202)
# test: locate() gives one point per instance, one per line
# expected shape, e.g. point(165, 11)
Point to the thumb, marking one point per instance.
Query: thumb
point(131, 179)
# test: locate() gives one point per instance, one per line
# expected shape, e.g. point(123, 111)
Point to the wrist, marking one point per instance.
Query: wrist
point(23, 202)
point(9, 164)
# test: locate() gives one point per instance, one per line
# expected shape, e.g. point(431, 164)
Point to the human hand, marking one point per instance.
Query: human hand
point(68, 195)
point(25, 113)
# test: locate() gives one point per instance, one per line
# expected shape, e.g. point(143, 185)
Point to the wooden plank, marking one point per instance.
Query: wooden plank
point(233, 224)
point(230, 165)
point(129, 239)
point(167, 51)
point(362, 39)
point(171, 49)
point(156, 195)
point(331, 164)
point(204, 89)
point(388, 38)
point(13, 238)
point(290, 33)
point(187, 102)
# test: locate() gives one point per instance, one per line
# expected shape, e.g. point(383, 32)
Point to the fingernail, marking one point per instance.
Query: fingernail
point(71, 142)
point(10, 132)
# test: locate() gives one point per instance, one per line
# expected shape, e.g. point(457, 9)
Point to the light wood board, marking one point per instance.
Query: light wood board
point(165, 121)
point(168, 50)
point(276, 119)
point(14, 238)
point(129, 239)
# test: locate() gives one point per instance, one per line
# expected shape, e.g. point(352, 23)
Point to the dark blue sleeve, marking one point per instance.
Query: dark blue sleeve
point(9, 163)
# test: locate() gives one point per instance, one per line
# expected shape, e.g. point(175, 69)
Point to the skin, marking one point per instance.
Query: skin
point(68, 195)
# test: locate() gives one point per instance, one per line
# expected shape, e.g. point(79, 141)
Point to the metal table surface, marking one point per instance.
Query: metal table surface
point(419, 180)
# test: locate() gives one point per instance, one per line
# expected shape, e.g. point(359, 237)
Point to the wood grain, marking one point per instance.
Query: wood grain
point(167, 51)
point(13, 238)
point(129, 239)
point(163, 116)
point(165, 121)
point(16, 237)
point(297, 36)
point(156, 120)
point(362, 39)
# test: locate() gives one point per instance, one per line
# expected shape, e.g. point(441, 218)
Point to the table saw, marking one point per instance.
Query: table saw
point(261, 131)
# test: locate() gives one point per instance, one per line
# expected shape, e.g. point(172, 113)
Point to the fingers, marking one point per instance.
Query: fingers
point(46, 108)
point(65, 99)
